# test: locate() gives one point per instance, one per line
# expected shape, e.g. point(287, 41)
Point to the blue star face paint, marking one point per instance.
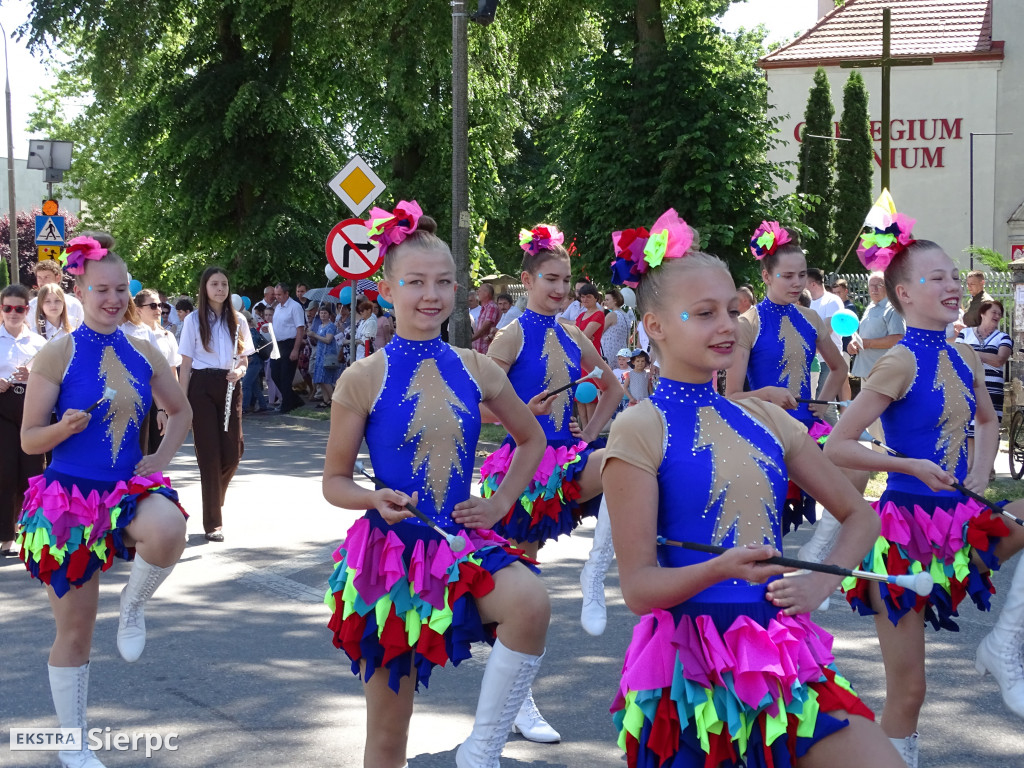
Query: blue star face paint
point(540, 274)
point(401, 282)
point(684, 316)
point(922, 281)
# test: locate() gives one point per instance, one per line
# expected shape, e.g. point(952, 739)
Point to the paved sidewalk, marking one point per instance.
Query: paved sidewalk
point(240, 665)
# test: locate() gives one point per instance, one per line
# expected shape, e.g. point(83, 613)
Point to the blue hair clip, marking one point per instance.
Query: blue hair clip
point(684, 316)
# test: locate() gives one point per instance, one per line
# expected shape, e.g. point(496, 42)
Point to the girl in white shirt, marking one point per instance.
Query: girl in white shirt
point(215, 349)
point(51, 315)
point(148, 303)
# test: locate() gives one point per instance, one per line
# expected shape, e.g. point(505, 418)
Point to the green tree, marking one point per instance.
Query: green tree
point(816, 171)
point(669, 111)
point(854, 167)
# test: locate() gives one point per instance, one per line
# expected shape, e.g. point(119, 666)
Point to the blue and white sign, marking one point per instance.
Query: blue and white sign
point(49, 230)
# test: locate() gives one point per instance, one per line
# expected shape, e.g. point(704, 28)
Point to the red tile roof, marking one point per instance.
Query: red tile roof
point(946, 29)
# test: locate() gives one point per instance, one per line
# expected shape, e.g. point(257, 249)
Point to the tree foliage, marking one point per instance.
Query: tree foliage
point(212, 126)
point(816, 171)
point(854, 167)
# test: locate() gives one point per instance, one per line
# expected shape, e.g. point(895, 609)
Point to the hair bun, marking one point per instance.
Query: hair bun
point(105, 239)
point(427, 224)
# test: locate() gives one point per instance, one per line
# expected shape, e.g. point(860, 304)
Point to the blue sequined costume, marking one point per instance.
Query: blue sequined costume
point(75, 513)
point(724, 678)
point(542, 353)
point(780, 356)
point(931, 384)
point(401, 598)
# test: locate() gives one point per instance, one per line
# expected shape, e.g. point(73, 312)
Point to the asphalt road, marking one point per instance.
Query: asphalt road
point(239, 663)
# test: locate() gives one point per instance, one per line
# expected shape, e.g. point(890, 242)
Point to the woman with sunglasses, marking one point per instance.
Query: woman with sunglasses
point(18, 345)
point(148, 302)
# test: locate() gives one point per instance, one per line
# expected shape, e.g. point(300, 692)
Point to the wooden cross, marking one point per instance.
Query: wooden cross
point(886, 62)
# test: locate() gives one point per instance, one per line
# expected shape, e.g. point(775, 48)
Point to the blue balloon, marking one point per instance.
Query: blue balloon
point(346, 295)
point(384, 303)
point(247, 302)
point(134, 287)
point(845, 322)
point(586, 392)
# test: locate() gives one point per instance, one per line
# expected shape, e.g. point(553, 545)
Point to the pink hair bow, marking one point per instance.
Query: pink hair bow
point(671, 238)
point(539, 239)
point(767, 239)
point(879, 246)
point(388, 228)
point(79, 249)
point(629, 264)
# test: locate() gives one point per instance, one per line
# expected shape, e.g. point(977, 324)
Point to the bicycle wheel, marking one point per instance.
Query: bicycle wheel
point(1016, 444)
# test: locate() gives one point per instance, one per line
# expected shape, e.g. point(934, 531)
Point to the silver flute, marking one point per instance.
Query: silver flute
point(231, 384)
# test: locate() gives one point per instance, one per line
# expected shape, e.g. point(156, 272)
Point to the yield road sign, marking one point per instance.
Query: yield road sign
point(357, 185)
point(350, 252)
point(49, 230)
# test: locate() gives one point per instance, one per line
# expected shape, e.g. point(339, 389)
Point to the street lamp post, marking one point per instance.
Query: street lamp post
point(970, 234)
point(13, 221)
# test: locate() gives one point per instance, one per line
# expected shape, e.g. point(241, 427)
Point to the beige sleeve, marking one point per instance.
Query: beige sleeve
point(153, 355)
point(53, 359)
point(506, 345)
point(359, 385)
point(576, 334)
point(747, 328)
point(970, 356)
point(821, 330)
point(893, 374)
point(487, 374)
point(637, 438)
point(789, 432)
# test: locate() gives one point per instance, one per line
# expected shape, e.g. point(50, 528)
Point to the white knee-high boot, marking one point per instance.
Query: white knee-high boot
point(818, 547)
point(999, 653)
point(907, 749)
point(594, 615)
point(69, 687)
point(131, 629)
point(507, 679)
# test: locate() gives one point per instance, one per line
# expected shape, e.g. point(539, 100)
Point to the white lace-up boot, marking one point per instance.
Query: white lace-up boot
point(131, 629)
point(507, 679)
point(69, 687)
point(907, 749)
point(532, 725)
point(594, 615)
point(999, 653)
point(818, 547)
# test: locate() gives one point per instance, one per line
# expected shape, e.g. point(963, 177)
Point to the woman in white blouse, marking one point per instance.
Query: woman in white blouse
point(215, 348)
point(148, 303)
point(366, 331)
point(18, 345)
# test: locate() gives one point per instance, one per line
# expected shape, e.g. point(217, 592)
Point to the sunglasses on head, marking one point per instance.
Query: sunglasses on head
point(21, 309)
point(151, 305)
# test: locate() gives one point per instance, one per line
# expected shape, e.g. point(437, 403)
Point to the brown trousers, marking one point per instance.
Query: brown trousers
point(16, 466)
point(217, 452)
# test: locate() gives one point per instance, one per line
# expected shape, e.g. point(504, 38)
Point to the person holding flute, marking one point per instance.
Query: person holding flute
point(215, 348)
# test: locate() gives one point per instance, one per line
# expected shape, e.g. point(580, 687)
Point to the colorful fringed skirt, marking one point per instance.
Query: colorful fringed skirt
point(728, 684)
point(549, 506)
point(72, 527)
point(938, 538)
point(402, 599)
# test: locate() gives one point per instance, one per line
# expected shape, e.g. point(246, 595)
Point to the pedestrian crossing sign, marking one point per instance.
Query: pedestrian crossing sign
point(49, 230)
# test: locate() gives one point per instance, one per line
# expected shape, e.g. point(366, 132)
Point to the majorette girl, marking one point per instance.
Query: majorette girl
point(776, 343)
point(926, 391)
point(721, 670)
point(542, 353)
point(404, 600)
point(100, 498)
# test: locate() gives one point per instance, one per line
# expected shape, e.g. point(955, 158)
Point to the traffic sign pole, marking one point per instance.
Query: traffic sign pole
point(352, 321)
